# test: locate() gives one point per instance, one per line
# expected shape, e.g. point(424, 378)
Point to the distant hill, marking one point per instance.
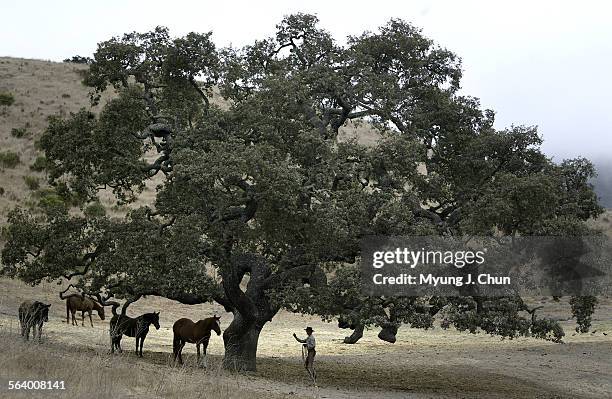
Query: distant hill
point(40, 89)
point(603, 182)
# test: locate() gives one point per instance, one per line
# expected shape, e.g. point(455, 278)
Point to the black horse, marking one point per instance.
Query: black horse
point(132, 327)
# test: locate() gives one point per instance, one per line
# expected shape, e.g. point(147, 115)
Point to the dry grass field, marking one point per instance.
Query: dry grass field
point(422, 364)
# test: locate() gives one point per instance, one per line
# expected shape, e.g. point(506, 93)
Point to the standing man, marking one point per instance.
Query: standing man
point(309, 344)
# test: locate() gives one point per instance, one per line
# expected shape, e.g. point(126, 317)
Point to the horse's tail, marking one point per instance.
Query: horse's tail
point(176, 345)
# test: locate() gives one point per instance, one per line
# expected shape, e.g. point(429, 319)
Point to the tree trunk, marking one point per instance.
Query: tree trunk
point(240, 340)
point(355, 336)
point(388, 333)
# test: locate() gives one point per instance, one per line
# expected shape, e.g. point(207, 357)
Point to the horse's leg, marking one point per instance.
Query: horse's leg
point(178, 350)
point(205, 356)
point(198, 350)
point(90, 320)
point(82, 318)
point(67, 313)
point(136, 343)
point(40, 332)
point(176, 342)
point(119, 343)
point(22, 324)
point(27, 334)
point(142, 343)
point(74, 321)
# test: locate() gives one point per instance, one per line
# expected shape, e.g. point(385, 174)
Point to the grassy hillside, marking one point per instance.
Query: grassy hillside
point(39, 89)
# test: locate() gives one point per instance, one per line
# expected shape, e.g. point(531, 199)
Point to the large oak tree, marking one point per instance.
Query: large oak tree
point(262, 202)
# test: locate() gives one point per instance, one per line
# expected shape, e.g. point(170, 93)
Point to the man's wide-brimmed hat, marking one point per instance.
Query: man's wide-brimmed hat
point(308, 329)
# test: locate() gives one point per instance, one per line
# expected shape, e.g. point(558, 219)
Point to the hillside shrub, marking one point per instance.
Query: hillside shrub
point(6, 99)
point(50, 200)
point(19, 132)
point(95, 210)
point(32, 182)
point(77, 59)
point(9, 159)
point(40, 164)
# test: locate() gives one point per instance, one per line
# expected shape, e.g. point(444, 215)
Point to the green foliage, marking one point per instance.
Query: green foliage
point(77, 59)
point(50, 201)
point(32, 182)
point(6, 99)
point(583, 308)
point(95, 210)
point(19, 132)
point(40, 164)
point(99, 153)
point(9, 159)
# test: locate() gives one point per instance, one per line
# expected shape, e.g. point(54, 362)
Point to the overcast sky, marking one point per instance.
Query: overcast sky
point(544, 63)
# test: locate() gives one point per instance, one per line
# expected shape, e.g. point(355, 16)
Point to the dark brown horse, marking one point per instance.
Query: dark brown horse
point(198, 333)
point(137, 327)
point(78, 302)
point(32, 315)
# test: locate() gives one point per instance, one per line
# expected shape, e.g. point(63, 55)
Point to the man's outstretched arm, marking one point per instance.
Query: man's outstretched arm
point(299, 340)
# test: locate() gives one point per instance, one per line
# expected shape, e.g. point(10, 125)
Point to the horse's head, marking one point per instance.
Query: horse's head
point(154, 319)
point(217, 324)
point(101, 312)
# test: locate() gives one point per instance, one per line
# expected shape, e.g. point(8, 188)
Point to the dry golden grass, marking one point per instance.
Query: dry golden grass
point(421, 364)
point(90, 374)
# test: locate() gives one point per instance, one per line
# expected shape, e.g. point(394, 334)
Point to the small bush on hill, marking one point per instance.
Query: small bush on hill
point(19, 132)
point(9, 159)
point(6, 99)
point(77, 59)
point(95, 210)
point(39, 164)
point(50, 200)
point(32, 182)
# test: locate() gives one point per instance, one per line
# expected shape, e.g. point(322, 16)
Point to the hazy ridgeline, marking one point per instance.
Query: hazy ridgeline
point(603, 181)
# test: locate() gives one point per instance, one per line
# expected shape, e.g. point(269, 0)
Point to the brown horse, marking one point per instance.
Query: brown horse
point(198, 333)
point(78, 302)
